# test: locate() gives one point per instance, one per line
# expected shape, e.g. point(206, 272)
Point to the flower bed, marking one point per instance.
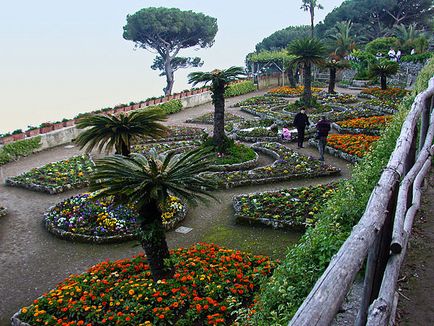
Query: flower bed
point(289, 208)
point(163, 147)
point(287, 91)
point(209, 284)
point(259, 100)
point(348, 146)
point(208, 118)
point(3, 211)
point(389, 94)
point(337, 98)
point(369, 125)
point(56, 177)
point(288, 165)
point(176, 133)
point(82, 218)
point(386, 106)
point(293, 109)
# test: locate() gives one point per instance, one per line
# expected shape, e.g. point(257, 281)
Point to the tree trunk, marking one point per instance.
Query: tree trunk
point(219, 117)
point(383, 82)
point(169, 75)
point(291, 76)
point(312, 17)
point(332, 80)
point(307, 78)
point(153, 241)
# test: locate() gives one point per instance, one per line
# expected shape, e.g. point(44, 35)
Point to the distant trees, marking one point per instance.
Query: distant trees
point(279, 40)
point(167, 31)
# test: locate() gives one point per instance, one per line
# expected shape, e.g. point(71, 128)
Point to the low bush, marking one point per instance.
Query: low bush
point(422, 57)
point(17, 149)
point(170, 107)
point(240, 88)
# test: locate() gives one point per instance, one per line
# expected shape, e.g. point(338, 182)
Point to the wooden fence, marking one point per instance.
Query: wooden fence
point(381, 236)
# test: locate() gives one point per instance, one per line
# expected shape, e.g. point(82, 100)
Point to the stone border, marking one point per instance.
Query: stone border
point(343, 130)
point(77, 237)
point(275, 224)
point(337, 153)
point(381, 109)
point(3, 211)
point(15, 320)
point(368, 96)
point(46, 189)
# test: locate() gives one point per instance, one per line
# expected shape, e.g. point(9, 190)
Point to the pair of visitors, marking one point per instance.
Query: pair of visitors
point(323, 127)
point(301, 121)
point(391, 54)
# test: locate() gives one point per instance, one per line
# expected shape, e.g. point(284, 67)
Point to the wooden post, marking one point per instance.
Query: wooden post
point(425, 121)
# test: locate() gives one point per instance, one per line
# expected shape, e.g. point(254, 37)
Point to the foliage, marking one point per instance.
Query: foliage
point(307, 51)
point(374, 122)
point(208, 118)
point(358, 145)
point(118, 132)
point(279, 40)
point(383, 68)
point(240, 88)
point(305, 263)
point(234, 154)
point(422, 57)
point(267, 56)
point(209, 282)
point(17, 149)
point(176, 63)
point(167, 31)
point(382, 45)
point(82, 214)
point(170, 107)
point(296, 206)
point(342, 41)
point(361, 63)
point(71, 173)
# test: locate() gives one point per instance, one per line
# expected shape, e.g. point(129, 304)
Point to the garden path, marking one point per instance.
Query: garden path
point(32, 261)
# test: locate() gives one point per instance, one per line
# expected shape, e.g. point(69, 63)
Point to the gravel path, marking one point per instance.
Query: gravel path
point(32, 261)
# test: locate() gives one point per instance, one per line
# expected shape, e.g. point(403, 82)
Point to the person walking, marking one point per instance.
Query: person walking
point(323, 127)
point(301, 121)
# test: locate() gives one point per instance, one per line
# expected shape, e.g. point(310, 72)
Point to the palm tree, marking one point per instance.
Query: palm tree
point(383, 68)
point(307, 52)
point(145, 182)
point(407, 35)
point(343, 43)
point(333, 65)
point(310, 5)
point(219, 80)
point(111, 131)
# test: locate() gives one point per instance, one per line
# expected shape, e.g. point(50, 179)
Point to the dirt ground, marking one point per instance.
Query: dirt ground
point(32, 261)
point(416, 305)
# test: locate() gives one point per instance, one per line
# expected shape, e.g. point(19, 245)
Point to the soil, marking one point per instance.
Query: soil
point(32, 261)
point(415, 305)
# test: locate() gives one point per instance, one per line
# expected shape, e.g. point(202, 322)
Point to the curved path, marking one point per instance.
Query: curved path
point(32, 261)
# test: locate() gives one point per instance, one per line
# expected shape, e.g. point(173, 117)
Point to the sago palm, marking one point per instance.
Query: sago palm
point(383, 68)
point(219, 80)
point(333, 64)
point(145, 182)
point(111, 131)
point(307, 52)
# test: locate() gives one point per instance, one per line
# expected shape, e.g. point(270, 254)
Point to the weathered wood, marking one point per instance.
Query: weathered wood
point(393, 312)
point(323, 302)
point(380, 311)
point(425, 121)
point(398, 229)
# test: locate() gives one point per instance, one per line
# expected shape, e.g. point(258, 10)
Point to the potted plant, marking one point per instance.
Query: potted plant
point(45, 127)
point(32, 131)
point(6, 138)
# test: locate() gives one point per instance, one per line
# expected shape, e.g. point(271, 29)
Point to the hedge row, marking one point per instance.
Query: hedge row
point(170, 107)
point(240, 88)
point(305, 262)
point(17, 149)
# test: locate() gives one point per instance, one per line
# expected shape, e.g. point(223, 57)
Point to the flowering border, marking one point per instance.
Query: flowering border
point(337, 152)
point(342, 130)
point(78, 237)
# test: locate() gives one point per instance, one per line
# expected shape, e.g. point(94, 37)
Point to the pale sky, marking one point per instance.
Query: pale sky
point(59, 58)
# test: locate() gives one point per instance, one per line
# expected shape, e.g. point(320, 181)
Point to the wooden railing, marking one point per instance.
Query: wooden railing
point(381, 236)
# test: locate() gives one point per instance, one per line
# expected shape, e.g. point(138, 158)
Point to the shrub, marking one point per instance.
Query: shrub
point(170, 107)
point(18, 149)
point(417, 57)
point(382, 45)
point(240, 88)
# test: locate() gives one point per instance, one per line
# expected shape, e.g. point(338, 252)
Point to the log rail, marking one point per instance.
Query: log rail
point(381, 236)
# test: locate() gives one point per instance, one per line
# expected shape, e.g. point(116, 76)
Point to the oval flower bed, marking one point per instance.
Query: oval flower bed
point(336, 98)
point(176, 133)
point(289, 208)
point(261, 100)
point(392, 93)
point(56, 177)
point(208, 118)
point(209, 284)
point(369, 125)
point(82, 218)
point(291, 91)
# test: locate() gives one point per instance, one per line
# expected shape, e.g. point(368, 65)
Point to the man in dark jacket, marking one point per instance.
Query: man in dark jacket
point(301, 121)
point(323, 128)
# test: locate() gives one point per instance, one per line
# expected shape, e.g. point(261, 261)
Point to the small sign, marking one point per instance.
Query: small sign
point(183, 229)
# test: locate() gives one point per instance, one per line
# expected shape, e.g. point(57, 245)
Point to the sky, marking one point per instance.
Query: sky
point(60, 58)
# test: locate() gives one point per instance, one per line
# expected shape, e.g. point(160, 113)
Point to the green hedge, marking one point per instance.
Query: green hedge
point(240, 88)
point(169, 107)
point(13, 151)
point(417, 57)
point(294, 278)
